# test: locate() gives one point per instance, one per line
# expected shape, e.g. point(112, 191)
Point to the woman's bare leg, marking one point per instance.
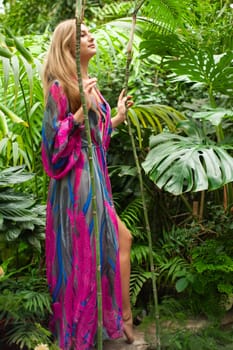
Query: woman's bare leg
point(125, 242)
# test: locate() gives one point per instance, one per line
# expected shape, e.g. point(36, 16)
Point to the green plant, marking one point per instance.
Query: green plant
point(188, 163)
point(30, 16)
point(186, 168)
point(194, 264)
point(22, 220)
point(107, 12)
point(138, 278)
point(21, 106)
point(204, 68)
point(212, 270)
point(209, 338)
point(24, 297)
point(24, 309)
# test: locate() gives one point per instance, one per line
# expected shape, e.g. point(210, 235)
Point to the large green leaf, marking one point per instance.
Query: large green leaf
point(181, 164)
point(213, 71)
point(215, 116)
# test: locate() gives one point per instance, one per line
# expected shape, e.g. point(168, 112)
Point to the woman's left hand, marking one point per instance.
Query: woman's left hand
point(124, 102)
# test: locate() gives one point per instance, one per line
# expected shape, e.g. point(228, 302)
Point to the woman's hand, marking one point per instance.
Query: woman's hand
point(124, 102)
point(88, 85)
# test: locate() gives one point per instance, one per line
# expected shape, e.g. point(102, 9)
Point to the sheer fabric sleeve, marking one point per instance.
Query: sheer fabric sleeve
point(61, 140)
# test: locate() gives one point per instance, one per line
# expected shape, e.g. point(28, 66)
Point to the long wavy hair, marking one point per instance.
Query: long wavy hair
point(60, 63)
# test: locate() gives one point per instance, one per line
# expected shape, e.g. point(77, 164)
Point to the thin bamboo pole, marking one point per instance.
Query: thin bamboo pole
point(79, 14)
point(153, 277)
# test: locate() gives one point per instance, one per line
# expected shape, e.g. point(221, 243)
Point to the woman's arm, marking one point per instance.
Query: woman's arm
point(61, 141)
point(61, 137)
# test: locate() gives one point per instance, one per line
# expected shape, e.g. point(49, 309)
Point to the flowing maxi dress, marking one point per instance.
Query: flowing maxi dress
point(70, 242)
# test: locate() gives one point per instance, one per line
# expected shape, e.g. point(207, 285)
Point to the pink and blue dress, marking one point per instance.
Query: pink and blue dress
point(70, 240)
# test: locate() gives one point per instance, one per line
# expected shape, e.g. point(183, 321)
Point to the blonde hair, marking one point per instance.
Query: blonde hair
point(60, 63)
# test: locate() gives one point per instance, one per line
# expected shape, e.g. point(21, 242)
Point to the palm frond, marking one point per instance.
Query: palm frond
point(157, 117)
point(163, 45)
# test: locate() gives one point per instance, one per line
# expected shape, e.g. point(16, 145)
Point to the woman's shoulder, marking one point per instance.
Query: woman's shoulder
point(55, 84)
point(57, 96)
point(56, 89)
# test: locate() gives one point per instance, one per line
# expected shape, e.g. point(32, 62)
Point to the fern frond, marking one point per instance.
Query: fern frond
point(139, 254)
point(163, 45)
point(169, 12)
point(114, 10)
point(138, 278)
point(172, 268)
point(36, 302)
point(27, 334)
point(131, 215)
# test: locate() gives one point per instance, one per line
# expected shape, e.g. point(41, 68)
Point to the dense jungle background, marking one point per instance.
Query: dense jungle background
point(181, 80)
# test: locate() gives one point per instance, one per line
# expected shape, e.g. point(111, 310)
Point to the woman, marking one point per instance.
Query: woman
point(70, 244)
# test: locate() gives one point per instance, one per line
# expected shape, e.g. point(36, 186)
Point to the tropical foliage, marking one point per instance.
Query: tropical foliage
point(181, 79)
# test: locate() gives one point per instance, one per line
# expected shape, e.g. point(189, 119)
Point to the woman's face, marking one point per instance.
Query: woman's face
point(87, 44)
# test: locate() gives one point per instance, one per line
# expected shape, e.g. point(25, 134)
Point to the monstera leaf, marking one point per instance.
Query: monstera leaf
point(205, 68)
point(181, 164)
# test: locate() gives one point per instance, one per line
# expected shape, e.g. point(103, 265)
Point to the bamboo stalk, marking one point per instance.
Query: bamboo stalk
point(80, 5)
point(148, 230)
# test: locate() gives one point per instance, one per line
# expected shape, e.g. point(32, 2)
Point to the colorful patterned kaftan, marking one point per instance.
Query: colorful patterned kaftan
point(70, 243)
